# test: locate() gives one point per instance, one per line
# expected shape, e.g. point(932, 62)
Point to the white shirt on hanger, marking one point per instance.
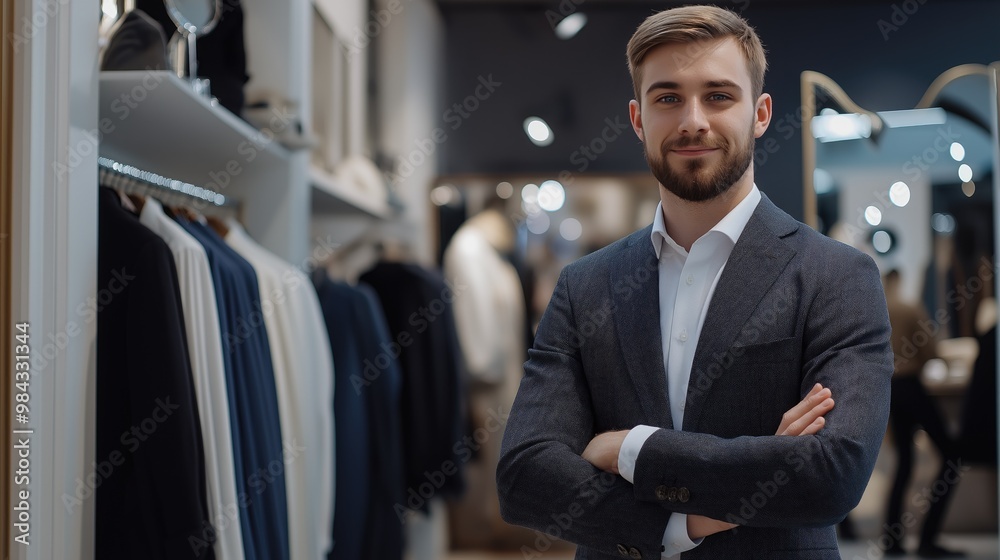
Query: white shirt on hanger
point(303, 371)
point(204, 338)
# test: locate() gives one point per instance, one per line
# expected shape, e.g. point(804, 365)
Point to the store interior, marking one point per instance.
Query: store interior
point(431, 166)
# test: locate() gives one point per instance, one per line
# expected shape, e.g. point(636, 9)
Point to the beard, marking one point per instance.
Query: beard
point(694, 180)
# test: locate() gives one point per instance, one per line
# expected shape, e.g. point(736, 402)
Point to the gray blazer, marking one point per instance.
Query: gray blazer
point(791, 308)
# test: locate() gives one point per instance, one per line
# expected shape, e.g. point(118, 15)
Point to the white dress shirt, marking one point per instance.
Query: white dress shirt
point(303, 375)
point(204, 338)
point(687, 282)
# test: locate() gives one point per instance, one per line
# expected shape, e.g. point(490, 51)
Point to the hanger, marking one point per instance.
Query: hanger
point(218, 225)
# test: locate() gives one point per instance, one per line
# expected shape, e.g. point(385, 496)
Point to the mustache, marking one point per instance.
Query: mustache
point(693, 141)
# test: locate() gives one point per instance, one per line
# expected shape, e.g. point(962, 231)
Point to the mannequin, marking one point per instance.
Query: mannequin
point(489, 313)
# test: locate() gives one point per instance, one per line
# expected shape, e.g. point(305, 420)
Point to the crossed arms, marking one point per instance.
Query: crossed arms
point(542, 473)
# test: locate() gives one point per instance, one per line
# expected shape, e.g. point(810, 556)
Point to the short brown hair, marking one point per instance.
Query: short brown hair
point(688, 24)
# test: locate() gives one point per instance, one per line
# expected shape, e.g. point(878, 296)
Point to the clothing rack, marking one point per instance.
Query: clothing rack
point(135, 180)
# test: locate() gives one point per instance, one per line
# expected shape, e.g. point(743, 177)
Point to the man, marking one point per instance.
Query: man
point(684, 344)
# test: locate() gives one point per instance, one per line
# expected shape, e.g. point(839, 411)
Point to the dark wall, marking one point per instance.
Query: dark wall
point(582, 87)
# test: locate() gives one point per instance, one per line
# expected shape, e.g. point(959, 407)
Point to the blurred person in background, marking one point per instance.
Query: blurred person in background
point(911, 408)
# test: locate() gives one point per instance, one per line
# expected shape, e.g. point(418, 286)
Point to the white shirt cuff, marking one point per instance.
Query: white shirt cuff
point(675, 537)
point(629, 452)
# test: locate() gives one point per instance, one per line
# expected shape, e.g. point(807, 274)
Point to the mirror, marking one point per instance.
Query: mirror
point(194, 18)
point(915, 188)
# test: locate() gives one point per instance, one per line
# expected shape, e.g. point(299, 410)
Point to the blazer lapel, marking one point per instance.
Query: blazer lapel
point(635, 285)
point(755, 263)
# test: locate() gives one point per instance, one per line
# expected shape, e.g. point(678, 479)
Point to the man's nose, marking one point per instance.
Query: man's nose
point(693, 119)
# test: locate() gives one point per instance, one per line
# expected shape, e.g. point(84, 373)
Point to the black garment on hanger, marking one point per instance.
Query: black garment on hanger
point(417, 305)
point(152, 492)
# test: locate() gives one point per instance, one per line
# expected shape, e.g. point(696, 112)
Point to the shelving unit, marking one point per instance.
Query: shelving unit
point(156, 121)
point(332, 196)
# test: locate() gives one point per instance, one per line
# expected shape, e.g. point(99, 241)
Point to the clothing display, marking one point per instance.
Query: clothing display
point(417, 304)
point(353, 479)
point(152, 495)
point(369, 386)
point(257, 440)
point(204, 340)
point(303, 373)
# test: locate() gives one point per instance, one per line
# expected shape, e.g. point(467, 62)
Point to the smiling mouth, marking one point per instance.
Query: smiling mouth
point(693, 152)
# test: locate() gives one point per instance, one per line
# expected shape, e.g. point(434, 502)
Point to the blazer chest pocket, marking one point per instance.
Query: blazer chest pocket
point(775, 351)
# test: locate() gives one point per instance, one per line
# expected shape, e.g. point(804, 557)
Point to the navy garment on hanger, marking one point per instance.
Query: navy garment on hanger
point(253, 401)
point(151, 495)
point(352, 431)
point(384, 537)
point(417, 305)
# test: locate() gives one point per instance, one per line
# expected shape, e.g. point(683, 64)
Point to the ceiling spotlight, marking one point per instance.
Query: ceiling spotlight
point(957, 151)
point(899, 193)
point(873, 215)
point(538, 131)
point(570, 25)
point(571, 229)
point(965, 172)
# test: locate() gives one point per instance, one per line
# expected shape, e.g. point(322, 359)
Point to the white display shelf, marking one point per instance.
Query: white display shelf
point(332, 196)
point(155, 121)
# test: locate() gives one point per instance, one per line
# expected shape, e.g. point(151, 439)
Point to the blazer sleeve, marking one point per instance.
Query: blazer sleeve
point(805, 481)
point(543, 482)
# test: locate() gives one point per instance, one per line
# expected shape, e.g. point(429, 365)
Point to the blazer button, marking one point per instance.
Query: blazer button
point(634, 553)
point(683, 494)
point(622, 550)
point(661, 492)
point(672, 494)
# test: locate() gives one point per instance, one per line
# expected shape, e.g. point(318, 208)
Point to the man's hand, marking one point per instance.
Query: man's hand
point(803, 419)
point(806, 418)
point(603, 450)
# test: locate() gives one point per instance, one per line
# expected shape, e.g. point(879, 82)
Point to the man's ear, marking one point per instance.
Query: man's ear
point(635, 117)
point(762, 115)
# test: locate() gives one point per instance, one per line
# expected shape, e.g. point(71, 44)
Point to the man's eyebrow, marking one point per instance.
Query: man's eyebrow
point(708, 84)
point(662, 85)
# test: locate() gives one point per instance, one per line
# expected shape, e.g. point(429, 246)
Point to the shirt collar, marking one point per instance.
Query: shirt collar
point(731, 225)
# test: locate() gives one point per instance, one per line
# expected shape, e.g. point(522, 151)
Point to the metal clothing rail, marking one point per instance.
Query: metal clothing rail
point(123, 175)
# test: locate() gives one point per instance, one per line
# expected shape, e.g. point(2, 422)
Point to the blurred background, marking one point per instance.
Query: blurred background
point(456, 154)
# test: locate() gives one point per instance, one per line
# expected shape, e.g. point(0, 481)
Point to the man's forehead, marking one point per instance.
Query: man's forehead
point(714, 60)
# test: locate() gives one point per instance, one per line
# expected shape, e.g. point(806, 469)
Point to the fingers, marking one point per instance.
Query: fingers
point(807, 420)
point(816, 396)
point(815, 427)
